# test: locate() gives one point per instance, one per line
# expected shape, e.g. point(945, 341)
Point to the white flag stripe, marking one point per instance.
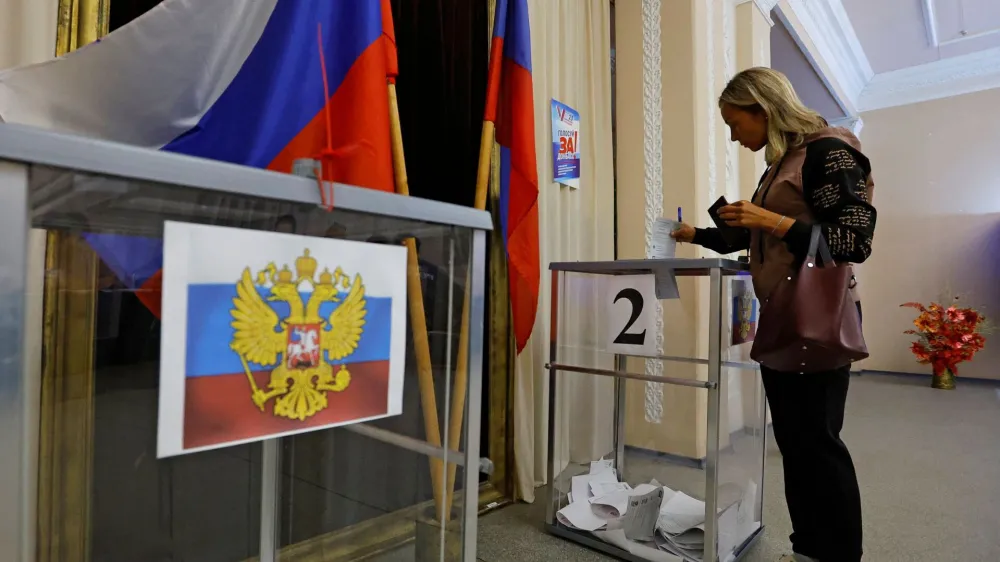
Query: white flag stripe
point(121, 89)
point(235, 249)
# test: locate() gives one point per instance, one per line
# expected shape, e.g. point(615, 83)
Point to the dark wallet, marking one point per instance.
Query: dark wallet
point(731, 234)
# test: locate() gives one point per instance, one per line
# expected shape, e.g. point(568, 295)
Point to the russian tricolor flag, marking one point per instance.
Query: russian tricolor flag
point(509, 105)
point(272, 334)
point(239, 82)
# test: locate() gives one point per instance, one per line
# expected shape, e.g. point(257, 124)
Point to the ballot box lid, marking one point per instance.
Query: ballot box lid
point(682, 267)
point(121, 162)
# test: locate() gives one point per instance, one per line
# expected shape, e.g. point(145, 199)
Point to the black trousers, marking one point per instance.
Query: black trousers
point(821, 486)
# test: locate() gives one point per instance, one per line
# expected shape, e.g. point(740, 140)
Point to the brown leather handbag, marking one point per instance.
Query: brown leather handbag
point(810, 322)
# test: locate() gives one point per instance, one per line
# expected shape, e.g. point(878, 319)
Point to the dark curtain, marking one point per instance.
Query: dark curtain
point(443, 50)
point(124, 11)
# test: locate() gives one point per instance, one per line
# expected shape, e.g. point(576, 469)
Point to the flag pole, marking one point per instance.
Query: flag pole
point(418, 319)
point(461, 376)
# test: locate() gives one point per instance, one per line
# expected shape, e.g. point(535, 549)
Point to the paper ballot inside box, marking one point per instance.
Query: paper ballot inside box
point(654, 522)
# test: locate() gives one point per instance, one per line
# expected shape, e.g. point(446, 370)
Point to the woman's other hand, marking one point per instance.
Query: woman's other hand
point(745, 214)
point(683, 233)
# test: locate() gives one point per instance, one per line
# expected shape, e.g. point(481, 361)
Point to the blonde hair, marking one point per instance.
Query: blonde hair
point(788, 119)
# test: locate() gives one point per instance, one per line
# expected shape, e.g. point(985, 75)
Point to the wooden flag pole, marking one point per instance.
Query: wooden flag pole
point(461, 362)
point(418, 320)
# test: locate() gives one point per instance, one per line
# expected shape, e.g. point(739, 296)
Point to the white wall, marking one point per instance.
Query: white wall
point(937, 173)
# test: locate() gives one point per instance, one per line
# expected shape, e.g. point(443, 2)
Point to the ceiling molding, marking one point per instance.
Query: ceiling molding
point(948, 77)
point(930, 22)
point(765, 7)
point(825, 34)
point(853, 124)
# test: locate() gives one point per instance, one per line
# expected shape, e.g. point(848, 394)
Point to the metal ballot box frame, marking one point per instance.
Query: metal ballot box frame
point(67, 184)
point(739, 536)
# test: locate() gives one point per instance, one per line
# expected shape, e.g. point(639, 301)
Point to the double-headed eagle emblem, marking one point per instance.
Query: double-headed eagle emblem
point(744, 303)
point(303, 346)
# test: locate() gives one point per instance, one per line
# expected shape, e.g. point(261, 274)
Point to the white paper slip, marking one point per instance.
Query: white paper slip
point(580, 515)
point(681, 513)
point(650, 553)
point(663, 245)
point(580, 485)
point(681, 553)
point(597, 467)
point(604, 488)
point(643, 489)
point(747, 514)
point(690, 539)
point(617, 538)
point(666, 284)
point(639, 522)
point(611, 506)
point(729, 531)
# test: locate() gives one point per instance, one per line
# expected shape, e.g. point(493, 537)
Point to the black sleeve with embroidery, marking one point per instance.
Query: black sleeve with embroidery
point(712, 239)
point(835, 186)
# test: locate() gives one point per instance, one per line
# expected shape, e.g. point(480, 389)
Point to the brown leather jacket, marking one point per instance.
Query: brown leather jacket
point(827, 180)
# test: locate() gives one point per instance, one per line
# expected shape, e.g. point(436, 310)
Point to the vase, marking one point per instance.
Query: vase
point(943, 379)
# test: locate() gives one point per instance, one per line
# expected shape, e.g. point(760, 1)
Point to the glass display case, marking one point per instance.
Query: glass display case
point(672, 470)
point(80, 373)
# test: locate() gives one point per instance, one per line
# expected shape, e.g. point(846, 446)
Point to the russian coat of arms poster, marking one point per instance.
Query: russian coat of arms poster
point(267, 334)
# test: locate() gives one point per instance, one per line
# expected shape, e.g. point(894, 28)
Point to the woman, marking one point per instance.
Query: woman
point(816, 174)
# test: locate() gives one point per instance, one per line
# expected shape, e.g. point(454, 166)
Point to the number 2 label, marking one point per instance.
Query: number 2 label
point(631, 314)
point(634, 297)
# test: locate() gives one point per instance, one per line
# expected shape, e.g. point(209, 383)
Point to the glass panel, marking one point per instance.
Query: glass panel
point(742, 425)
point(349, 495)
point(206, 506)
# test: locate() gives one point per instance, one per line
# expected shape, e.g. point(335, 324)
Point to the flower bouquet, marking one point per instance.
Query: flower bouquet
point(947, 337)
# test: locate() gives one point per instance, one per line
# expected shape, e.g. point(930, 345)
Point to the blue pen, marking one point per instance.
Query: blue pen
point(680, 218)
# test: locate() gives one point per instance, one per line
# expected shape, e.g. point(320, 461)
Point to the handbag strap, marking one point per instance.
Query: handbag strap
point(818, 243)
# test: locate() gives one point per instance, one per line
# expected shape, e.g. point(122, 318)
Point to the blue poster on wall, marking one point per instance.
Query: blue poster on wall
point(565, 145)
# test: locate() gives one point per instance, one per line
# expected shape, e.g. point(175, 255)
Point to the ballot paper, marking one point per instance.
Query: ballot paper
point(580, 485)
point(692, 539)
point(729, 531)
point(663, 246)
point(651, 521)
point(738, 522)
point(639, 522)
point(666, 284)
point(603, 465)
point(747, 514)
point(617, 538)
point(604, 488)
point(643, 489)
point(685, 554)
point(681, 513)
point(580, 515)
point(611, 506)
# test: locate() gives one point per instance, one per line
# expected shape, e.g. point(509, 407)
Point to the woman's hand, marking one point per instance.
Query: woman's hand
point(745, 214)
point(683, 233)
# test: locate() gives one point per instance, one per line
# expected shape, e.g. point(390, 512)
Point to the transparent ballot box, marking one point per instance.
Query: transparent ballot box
point(658, 419)
point(81, 476)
